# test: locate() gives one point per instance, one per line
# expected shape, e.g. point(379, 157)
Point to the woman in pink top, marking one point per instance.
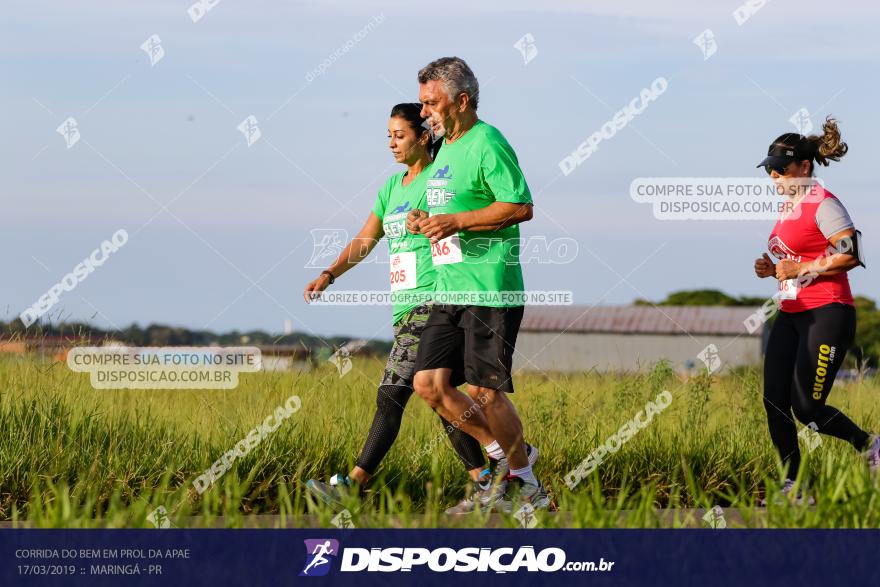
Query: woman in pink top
point(816, 244)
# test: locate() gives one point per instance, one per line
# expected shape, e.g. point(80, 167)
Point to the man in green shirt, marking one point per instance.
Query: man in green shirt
point(476, 197)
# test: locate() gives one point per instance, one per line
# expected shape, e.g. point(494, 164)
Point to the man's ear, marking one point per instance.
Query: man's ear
point(463, 101)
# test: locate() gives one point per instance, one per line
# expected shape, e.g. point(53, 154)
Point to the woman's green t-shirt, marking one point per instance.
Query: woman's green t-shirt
point(411, 271)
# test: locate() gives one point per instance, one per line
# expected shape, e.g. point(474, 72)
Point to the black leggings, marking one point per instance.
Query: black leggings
point(390, 403)
point(804, 352)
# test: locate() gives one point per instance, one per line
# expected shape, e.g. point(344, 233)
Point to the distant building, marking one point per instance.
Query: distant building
point(630, 338)
point(286, 358)
point(46, 346)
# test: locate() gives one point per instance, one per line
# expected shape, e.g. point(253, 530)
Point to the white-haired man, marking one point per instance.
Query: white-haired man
point(476, 197)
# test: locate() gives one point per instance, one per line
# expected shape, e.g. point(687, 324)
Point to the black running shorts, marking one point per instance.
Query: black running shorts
point(476, 342)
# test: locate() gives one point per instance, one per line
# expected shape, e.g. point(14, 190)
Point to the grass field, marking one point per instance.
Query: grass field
point(71, 456)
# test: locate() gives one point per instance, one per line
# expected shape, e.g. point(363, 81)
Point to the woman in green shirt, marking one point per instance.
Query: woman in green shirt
point(411, 272)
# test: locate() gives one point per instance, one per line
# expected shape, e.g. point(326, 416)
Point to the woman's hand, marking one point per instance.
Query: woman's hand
point(764, 267)
point(414, 221)
point(787, 269)
point(315, 287)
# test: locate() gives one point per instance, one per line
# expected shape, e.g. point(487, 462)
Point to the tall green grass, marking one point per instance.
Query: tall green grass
point(74, 456)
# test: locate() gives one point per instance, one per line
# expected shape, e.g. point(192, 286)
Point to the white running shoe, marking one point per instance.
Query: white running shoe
point(500, 471)
point(490, 494)
point(872, 455)
point(786, 494)
point(335, 493)
point(521, 493)
point(484, 496)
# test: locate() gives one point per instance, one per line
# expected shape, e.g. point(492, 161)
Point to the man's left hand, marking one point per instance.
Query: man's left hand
point(438, 227)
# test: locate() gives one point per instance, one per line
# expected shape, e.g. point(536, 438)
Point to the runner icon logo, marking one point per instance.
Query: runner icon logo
point(403, 208)
point(441, 173)
point(319, 554)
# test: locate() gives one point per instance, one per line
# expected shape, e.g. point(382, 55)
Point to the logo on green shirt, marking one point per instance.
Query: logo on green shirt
point(405, 207)
point(436, 193)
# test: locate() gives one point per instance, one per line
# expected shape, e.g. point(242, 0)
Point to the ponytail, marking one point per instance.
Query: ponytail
point(827, 146)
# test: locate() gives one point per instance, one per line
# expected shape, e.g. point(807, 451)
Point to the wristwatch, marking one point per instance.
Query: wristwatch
point(330, 275)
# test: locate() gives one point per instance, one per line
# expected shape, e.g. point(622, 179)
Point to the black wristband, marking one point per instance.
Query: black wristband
point(330, 275)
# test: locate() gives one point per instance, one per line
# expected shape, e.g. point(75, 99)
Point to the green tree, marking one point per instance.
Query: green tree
point(704, 297)
point(866, 347)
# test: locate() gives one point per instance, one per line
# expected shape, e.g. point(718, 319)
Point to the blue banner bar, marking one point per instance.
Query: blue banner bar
point(800, 558)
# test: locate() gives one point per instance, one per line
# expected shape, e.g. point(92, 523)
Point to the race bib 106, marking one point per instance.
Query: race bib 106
point(788, 289)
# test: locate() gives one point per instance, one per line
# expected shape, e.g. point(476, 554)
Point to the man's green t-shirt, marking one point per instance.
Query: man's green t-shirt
point(471, 173)
point(411, 270)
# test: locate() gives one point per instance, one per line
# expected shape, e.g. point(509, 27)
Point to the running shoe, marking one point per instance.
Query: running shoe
point(521, 494)
point(336, 493)
point(872, 455)
point(489, 493)
point(786, 494)
point(477, 493)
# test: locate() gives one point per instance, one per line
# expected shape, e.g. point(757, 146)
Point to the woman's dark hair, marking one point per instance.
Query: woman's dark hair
point(412, 113)
point(819, 148)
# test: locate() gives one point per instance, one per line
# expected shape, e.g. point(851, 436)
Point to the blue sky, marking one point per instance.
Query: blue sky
point(231, 248)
